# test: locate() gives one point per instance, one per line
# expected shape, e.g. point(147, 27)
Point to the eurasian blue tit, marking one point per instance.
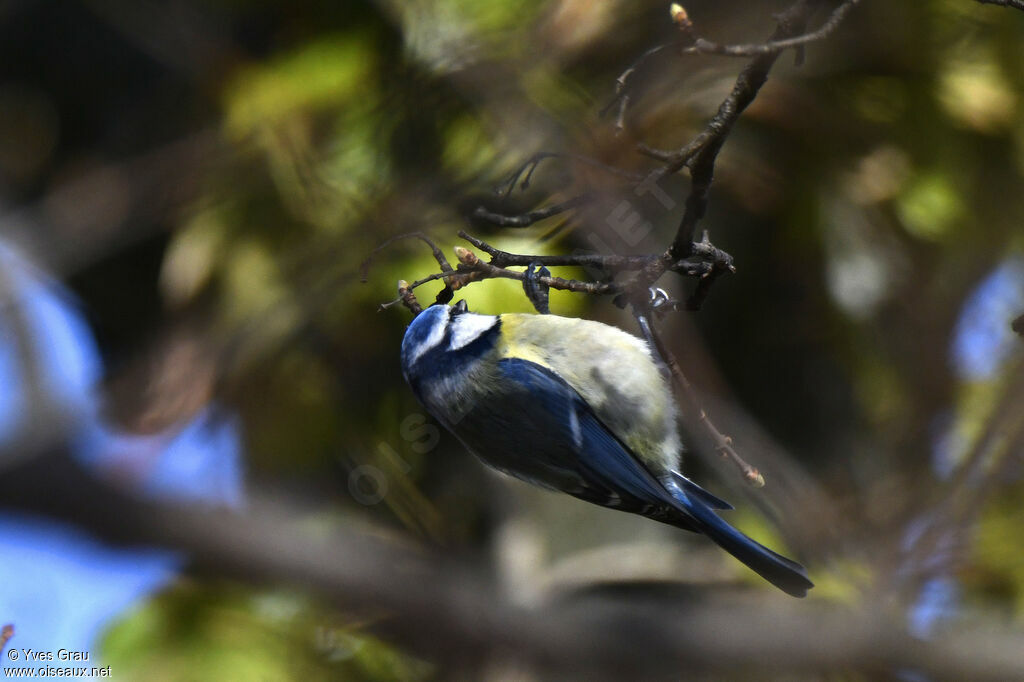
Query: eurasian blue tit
point(572, 405)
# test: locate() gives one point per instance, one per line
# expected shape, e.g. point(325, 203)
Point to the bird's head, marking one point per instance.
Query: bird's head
point(443, 334)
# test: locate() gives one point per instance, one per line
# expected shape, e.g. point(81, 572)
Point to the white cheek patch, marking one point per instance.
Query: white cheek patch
point(467, 328)
point(434, 338)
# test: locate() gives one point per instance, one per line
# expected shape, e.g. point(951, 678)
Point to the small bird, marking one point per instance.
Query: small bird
point(571, 405)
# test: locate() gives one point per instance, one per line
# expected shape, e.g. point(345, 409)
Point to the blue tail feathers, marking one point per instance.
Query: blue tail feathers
point(787, 575)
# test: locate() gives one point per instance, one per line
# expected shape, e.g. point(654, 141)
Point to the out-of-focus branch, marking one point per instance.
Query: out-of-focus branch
point(364, 267)
point(449, 610)
point(530, 165)
point(109, 203)
point(621, 83)
point(1018, 325)
point(1016, 4)
point(952, 508)
point(703, 46)
point(699, 45)
point(531, 217)
point(405, 289)
point(5, 635)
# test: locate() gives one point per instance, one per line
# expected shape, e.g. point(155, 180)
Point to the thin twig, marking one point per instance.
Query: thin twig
point(698, 45)
point(531, 217)
point(477, 270)
point(404, 288)
point(621, 96)
point(364, 267)
point(530, 166)
point(722, 443)
point(659, 154)
point(408, 298)
point(710, 257)
point(612, 263)
point(620, 118)
point(472, 269)
point(505, 188)
point(420, 282)
point(702, 46)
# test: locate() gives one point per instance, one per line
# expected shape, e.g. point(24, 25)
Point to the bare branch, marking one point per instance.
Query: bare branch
point(701, 154)
point(463, 617)
point(476, 270)
point(702, 46)
point(1018, 325)
point(612, 263)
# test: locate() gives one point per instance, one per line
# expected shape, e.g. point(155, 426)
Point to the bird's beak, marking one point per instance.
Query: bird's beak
point(460, 307)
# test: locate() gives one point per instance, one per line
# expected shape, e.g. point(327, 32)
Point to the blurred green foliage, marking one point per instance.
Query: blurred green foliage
point(220, 631)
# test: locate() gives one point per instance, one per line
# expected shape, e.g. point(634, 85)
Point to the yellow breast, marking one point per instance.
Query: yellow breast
point(611, 370)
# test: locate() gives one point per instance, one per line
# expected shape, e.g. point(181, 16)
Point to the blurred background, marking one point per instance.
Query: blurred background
point(188, 190)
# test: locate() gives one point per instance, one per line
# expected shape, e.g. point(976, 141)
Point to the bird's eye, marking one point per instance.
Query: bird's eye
point(459, 308)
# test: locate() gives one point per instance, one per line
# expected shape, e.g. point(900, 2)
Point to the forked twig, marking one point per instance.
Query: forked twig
point(722, 443)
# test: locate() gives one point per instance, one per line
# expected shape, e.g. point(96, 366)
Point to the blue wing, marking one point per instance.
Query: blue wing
point(573, 451)
point(570, 448)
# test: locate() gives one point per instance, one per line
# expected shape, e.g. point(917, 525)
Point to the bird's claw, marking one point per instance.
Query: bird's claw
point(536, 290)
